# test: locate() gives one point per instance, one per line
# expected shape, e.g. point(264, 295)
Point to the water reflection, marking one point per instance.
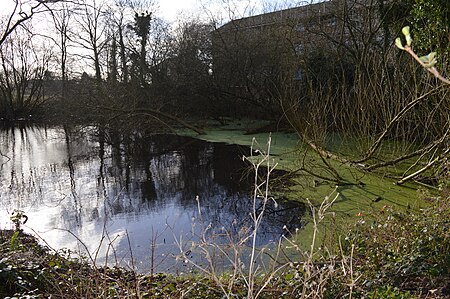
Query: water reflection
point(118, 194)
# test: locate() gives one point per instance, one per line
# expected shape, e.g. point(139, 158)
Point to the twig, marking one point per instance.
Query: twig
point(410, 155)
point(418, 172)
point(432, 70)
point(155, 114)
point(394, 120)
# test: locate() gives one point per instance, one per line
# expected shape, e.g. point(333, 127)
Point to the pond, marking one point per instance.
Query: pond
point(134, 200)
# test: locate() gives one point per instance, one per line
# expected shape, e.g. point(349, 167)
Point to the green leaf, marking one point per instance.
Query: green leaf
point(406, 32)
point(289, 276)
point(14, 240)
point(429, 60)
point(398, 43)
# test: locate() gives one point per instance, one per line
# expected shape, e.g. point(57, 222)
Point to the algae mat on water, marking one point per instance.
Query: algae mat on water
point(360, 192)
point(311, 178)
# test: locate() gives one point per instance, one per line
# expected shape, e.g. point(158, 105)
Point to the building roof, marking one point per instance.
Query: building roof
point(275, 17)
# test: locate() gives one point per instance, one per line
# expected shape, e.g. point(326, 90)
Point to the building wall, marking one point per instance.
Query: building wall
point(254, 58)
point(253, 55)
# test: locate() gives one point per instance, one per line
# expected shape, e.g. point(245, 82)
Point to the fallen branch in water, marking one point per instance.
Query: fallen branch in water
point(423, 169)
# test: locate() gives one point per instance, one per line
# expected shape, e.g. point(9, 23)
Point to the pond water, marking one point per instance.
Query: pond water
point(127, 199)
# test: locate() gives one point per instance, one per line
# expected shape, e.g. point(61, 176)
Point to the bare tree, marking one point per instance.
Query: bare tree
point(119, 20)
point(91, 36)
point(21, 12)
point(23, 68)
point(62, 19)
point(128, 19)
point(188, 68)
point(142, 30)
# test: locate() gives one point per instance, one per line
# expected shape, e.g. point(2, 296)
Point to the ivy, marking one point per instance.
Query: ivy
point(431, 21)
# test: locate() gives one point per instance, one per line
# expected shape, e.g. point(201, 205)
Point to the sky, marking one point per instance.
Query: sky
point(173, 10)
point(170, 9)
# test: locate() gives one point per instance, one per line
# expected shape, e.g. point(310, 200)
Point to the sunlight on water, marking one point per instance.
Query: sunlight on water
point(110, 196)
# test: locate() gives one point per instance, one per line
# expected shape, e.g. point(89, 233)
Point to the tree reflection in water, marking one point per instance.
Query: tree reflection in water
point(102, 186)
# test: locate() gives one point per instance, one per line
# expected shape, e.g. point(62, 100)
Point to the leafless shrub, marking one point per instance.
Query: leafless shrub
point(259, 269)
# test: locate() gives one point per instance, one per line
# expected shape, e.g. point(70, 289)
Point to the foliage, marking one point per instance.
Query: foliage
point(427, 61)
point(388, 292)
point(431, 19)
point(403, 249)
point(387, 254)
point(33, 271)
point(18, 217)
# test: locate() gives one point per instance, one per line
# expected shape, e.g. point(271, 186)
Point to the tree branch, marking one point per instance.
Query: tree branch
point(423, 169)
point(396, 118)
point(156, 114)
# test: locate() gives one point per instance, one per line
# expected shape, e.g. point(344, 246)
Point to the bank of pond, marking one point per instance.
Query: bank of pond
point(136, 204)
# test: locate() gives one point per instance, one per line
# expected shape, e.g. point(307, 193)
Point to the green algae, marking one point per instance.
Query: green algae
point(359, 193)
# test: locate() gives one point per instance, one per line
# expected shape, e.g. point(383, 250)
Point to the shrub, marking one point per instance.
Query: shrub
point(404, 249)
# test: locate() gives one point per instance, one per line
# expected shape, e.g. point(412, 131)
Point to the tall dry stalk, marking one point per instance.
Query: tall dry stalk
point(235, 252)
point(260, 191)
point(316, 267)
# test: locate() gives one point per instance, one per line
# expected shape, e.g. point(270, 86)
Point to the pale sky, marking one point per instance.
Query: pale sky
point(171, 8)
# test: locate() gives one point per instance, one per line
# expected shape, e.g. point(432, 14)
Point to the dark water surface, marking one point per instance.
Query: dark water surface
point(112, 196)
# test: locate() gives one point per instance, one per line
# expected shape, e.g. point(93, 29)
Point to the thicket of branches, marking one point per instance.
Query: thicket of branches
point(98, 60)
point(384, 101)
point(332, 71)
